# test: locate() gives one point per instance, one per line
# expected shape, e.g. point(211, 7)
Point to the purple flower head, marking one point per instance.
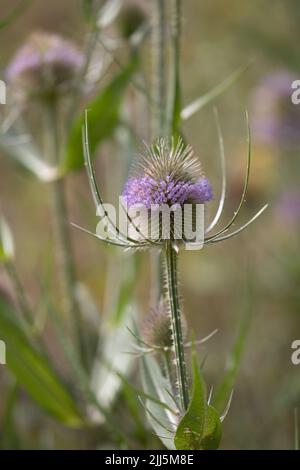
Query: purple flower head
point(44, 64)
point(276, 120)
point(167, 176)
point(288, 207)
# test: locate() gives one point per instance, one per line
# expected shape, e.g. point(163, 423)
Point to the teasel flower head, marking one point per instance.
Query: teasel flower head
point(44, 66)
point(167, 175)
point(156, 330)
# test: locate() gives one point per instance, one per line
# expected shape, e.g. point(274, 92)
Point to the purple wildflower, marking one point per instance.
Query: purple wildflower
point(288, 206)
point(44, 64)
point(168, 176)
point(276, 120)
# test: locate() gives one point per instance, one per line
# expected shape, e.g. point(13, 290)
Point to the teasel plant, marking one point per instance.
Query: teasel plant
point(181, 416)
point(169, 174)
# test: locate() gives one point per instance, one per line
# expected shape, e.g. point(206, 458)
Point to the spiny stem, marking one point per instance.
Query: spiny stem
point(158, 67)
point(62, 236)
point(174, 305)
point(174, 98)
point(158, 21)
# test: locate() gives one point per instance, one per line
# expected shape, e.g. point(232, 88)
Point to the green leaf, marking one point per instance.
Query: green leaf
point(112, 357)
point(34, 373)
point(162, 419)
point(103, 118)
point(191, 427)
point(227, 382)
point(211, 95)
point(6, 242)
point(25, 153)
point(212, 432)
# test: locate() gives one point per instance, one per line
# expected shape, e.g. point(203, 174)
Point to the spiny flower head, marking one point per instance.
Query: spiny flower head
point(44, 65)
point(156, 330)
point(167, 175)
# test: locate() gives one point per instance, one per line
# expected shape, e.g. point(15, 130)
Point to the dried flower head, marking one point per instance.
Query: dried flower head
point(44, 66)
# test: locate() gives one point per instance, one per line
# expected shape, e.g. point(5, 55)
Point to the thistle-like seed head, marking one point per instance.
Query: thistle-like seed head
point(44, 66)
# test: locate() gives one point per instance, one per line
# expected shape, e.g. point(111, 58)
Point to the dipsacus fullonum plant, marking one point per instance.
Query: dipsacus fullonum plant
point(170, 175)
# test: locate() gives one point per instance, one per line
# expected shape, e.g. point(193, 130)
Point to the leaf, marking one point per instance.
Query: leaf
point(108, 13)
point(212, 432)
point(103, 118)
point(34, 373)
point(211, 95)
point(191, 427)
point(112, 358)
point(24, 152)
point(229, 378)
point(162, 420)
point(6, 242)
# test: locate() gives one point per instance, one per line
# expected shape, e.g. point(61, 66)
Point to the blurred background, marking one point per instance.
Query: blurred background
point(246, 287)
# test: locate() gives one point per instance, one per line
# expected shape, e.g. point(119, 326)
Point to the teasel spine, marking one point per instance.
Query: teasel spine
point(173, 301)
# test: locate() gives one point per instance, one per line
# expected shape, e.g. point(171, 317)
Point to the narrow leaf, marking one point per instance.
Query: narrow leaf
point(35, 374)
point(103, 119)
point(6, 242)
point(204, 100)
point(155, 385)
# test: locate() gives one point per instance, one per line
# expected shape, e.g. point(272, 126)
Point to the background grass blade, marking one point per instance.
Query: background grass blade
point(35, 374)
point(211, 95)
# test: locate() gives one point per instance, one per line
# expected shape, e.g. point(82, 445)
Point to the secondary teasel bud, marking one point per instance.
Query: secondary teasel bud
point(166, 177)
point(157, 330)
point(44, 66)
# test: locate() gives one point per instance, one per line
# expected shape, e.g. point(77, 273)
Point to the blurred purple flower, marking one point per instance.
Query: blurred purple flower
point(44, 64)
point(275, 119)
point(288, 206)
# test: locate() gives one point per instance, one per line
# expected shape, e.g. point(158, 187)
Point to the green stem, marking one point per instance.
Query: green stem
point(159, 98)
point(64, 254)
point(158, 67)
point(174, 98)
point(79, 81)
point(174, 304)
